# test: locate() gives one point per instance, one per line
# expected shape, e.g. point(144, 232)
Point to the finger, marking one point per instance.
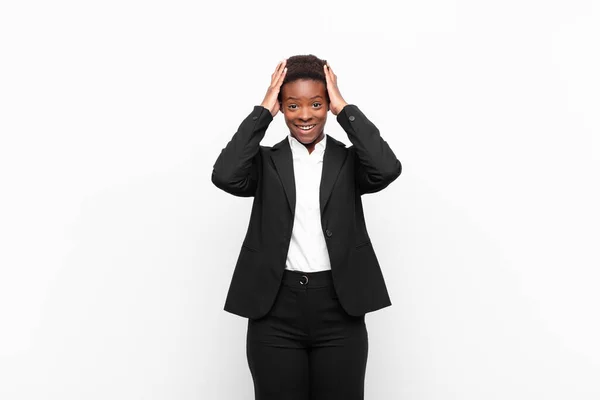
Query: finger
point(277, 74)
point(281, 65)
point(281, 77)
point(331, 71)
point(326, 73)
point(331, 74)
point(280, 70)
point(277, 69)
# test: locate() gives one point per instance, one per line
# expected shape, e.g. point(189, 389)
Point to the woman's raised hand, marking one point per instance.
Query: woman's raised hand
point(270, 101)
point(336, 101)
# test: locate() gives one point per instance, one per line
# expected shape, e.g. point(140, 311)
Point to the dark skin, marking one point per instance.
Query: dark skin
point(304, 103)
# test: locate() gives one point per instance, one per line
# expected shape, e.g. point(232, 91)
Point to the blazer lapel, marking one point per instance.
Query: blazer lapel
point(284, 164)
point(333, 159)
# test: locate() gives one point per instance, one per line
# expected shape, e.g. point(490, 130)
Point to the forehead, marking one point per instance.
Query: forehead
point(303, 89)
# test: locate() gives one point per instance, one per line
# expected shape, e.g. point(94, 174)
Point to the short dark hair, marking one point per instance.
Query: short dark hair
point(304, 67)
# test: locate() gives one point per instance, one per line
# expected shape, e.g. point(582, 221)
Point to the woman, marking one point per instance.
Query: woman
point(307, 273)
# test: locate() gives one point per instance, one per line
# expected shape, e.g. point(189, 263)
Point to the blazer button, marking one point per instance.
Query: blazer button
point(328, 233)
point(254, 118)
point(351, 118)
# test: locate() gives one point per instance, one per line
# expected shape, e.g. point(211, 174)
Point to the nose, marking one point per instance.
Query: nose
point(305, 114)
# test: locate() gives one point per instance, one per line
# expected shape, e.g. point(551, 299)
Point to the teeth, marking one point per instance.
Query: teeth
point(305, 127)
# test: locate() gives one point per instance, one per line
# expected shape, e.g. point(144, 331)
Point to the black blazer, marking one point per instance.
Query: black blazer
point(244, 168)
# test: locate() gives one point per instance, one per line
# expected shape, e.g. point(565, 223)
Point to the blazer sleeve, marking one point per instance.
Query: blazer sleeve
point(376, 163)
point(236, 168)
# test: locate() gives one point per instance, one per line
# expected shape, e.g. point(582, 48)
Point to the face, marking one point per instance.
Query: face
point(304, 105)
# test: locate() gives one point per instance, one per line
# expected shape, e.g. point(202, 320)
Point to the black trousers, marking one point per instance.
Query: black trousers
point(307, 347)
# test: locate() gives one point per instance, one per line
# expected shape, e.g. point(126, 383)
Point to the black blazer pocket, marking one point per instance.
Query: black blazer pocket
point(249, 247)
point(367, 242)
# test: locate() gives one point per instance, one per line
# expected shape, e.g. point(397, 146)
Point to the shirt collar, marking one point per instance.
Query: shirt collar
point(299, 147)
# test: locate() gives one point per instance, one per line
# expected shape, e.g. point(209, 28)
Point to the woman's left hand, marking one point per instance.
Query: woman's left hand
point(336, 101)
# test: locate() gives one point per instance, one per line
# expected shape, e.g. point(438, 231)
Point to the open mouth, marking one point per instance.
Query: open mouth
point(306, 128)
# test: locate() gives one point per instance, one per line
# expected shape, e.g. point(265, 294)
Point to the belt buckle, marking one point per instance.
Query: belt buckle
point(304, 283)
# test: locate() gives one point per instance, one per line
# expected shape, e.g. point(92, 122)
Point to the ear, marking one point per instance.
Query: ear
point(280, 107)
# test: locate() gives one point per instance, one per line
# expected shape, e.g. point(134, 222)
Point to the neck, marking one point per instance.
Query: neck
point(311, 146)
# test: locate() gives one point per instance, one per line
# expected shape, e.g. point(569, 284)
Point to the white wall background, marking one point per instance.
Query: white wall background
point(116, 251)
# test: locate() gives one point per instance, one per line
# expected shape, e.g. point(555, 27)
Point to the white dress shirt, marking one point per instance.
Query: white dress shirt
point(308, 250)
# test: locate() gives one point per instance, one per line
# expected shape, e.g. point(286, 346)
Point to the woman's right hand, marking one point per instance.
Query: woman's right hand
point(270, 101)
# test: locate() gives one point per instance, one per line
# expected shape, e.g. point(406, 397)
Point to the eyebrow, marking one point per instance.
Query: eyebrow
point(295, 98)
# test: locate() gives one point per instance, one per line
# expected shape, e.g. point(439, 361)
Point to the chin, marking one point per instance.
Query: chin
point(307, 140)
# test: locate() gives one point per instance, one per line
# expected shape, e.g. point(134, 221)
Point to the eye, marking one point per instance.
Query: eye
point(290, 106)
point(318, 104)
